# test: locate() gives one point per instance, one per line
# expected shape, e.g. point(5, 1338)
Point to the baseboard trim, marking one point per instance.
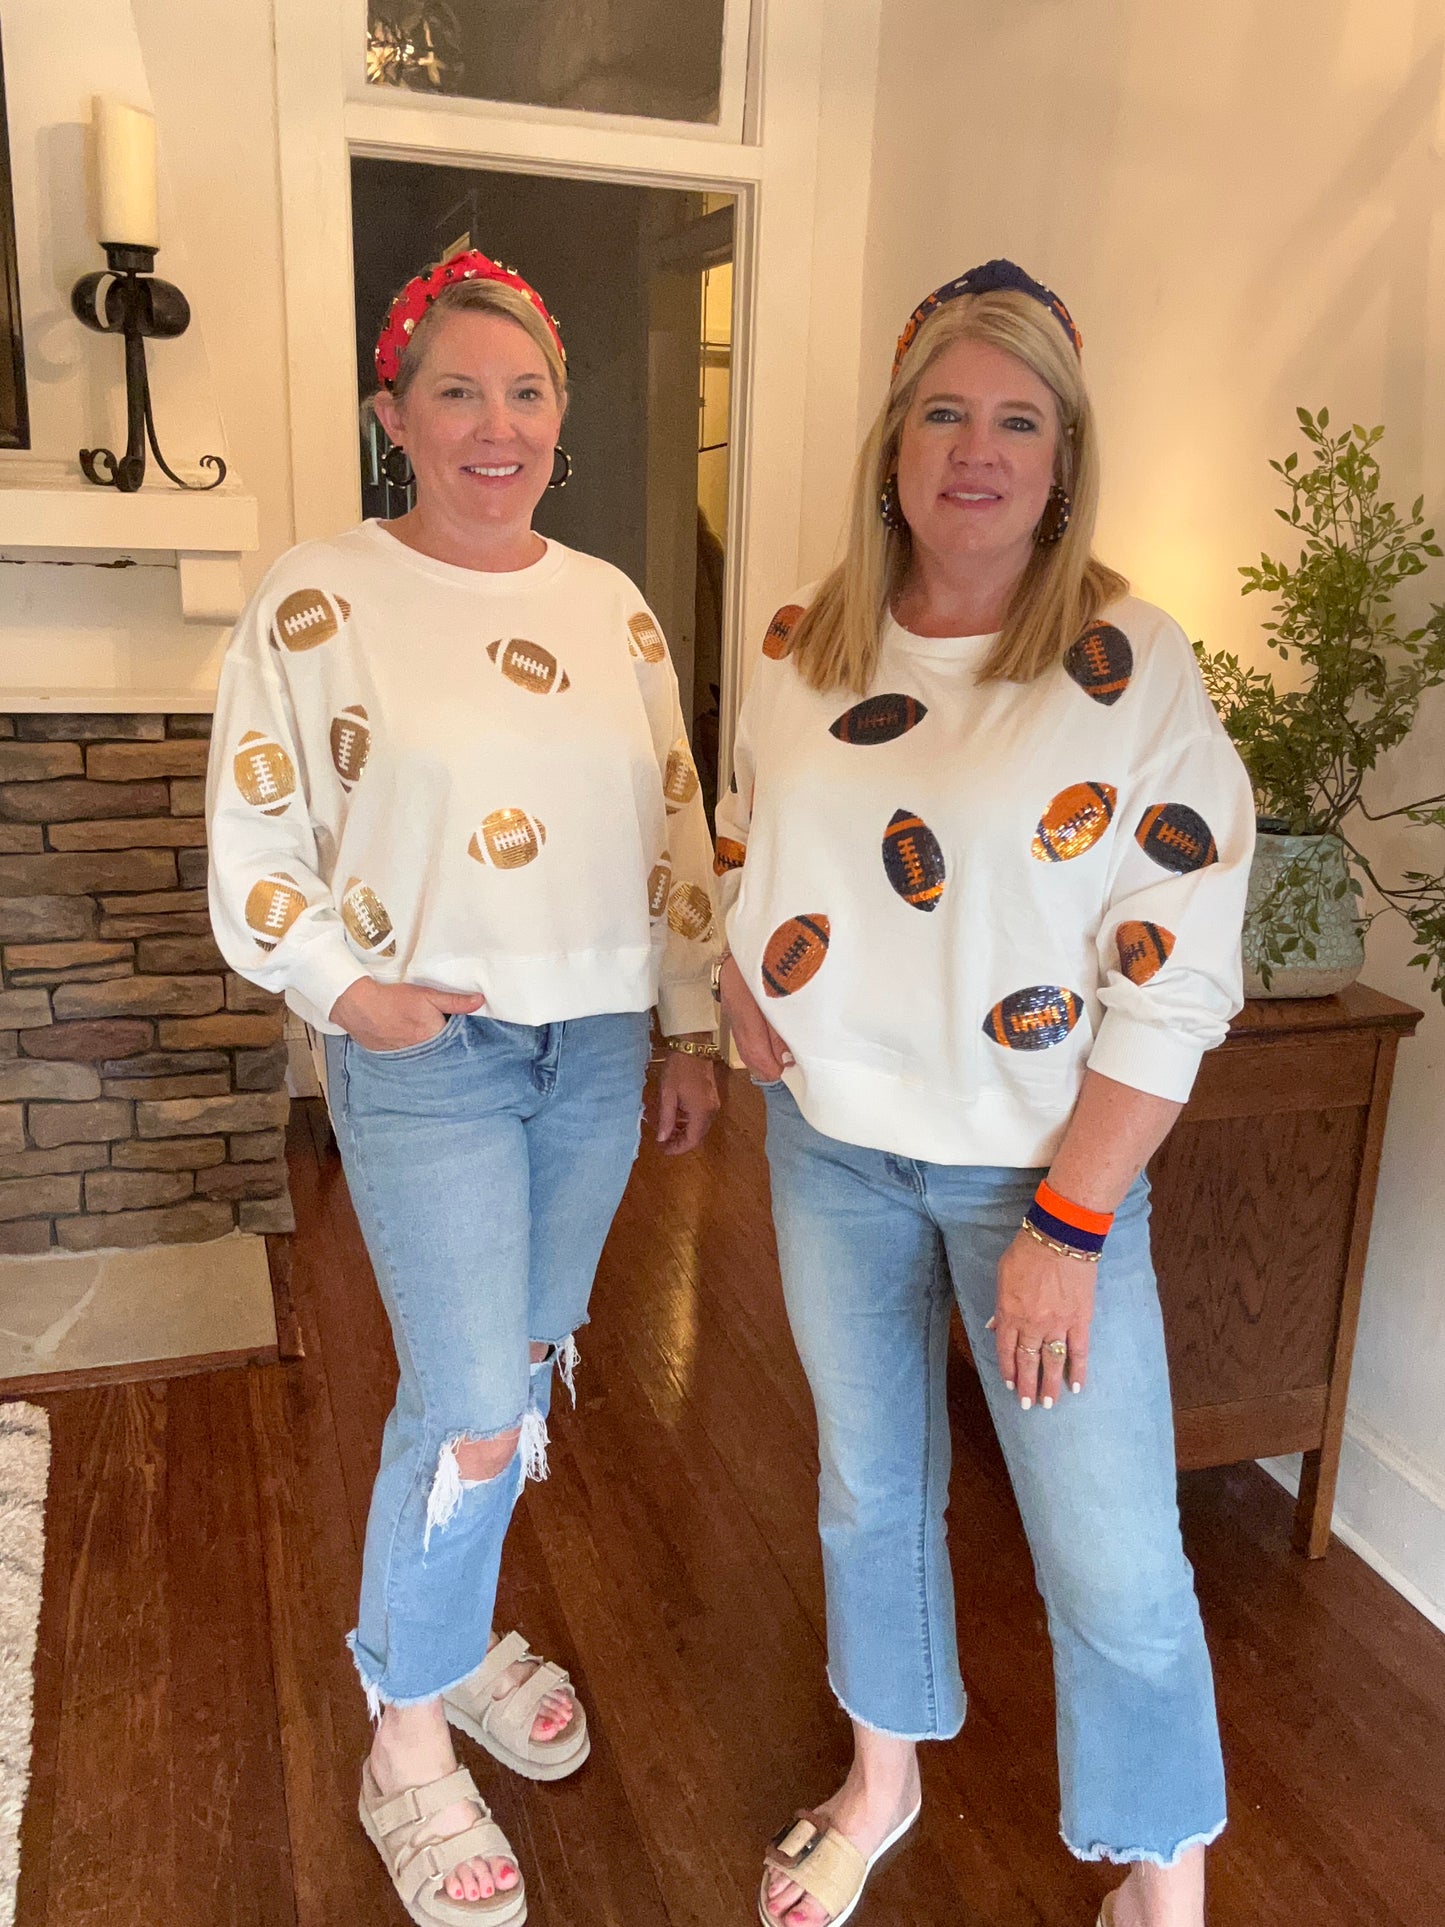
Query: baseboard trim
point(1382, 1484)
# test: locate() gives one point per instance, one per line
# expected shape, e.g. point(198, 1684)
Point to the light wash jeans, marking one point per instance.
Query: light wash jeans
point(874, 1250)
point(485, 1166)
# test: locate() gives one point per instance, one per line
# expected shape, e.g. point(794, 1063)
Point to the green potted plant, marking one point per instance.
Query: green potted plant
point(1310, 748)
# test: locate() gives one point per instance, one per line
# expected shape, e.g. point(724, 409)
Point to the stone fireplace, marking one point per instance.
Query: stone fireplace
point(142, 1083)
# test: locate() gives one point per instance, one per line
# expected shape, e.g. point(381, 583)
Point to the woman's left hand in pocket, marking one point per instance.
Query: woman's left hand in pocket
point(1043, 1298)
point(687, 1102)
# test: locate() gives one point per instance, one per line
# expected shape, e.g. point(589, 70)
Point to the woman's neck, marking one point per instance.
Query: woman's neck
point(499, 551)
point(957, 596)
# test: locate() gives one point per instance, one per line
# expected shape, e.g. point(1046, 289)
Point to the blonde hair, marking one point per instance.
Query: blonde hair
point(1063, 587)
point(480, 297)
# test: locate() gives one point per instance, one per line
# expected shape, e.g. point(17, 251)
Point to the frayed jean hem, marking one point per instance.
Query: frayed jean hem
point(887, 1732)
point(377, 1700)
point(1129, 1856)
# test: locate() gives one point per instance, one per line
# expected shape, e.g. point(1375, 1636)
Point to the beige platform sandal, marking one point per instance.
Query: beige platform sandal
point(419, 1863)
point(824, 1863)
point(504, 1726)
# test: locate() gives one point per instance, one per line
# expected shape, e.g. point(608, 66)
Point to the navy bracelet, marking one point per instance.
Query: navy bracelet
point(1087, 1243)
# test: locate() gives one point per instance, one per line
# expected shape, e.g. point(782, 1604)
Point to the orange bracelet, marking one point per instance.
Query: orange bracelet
point(1078, 1215)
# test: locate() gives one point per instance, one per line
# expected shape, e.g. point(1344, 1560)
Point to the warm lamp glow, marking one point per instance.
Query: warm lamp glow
point(125, 156)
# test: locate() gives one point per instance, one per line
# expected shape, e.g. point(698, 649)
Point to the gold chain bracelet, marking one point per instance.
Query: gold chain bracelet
point(1064, 1251)
point(685, 1047)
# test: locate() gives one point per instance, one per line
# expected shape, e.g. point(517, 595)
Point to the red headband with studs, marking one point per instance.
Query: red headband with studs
point(420, 292)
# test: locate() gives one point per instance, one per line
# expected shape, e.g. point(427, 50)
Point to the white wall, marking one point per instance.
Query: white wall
point(839, 283)
point(1239, 204)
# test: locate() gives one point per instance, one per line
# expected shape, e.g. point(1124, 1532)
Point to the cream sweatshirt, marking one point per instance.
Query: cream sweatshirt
point(476, 781)
point(950, 897)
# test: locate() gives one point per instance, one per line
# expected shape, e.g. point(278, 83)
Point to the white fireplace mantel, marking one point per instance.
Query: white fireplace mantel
point(48, 508)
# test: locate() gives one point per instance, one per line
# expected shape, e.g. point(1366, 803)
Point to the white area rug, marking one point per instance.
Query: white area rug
point(24, 1471)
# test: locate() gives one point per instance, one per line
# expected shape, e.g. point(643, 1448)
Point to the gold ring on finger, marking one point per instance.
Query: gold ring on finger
point(1029, 1351)
point(1057, 1347)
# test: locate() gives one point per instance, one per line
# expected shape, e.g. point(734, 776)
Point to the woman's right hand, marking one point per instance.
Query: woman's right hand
point(396, 1016)
point(763, 1052)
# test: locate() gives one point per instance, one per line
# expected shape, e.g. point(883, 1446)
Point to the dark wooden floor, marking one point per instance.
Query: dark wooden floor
point(199, 1727)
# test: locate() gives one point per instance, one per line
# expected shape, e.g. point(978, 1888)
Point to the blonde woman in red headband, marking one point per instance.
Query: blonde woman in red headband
point(454, 818)
point(987, 853)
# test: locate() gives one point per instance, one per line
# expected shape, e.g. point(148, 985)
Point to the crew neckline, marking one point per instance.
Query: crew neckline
point(944, 648)
point(486, 581)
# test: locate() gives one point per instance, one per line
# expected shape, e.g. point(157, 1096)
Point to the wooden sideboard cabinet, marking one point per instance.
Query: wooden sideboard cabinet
point(1263, 1195)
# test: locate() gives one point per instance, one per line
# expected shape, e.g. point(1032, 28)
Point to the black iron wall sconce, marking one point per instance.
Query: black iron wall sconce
point(127, 298)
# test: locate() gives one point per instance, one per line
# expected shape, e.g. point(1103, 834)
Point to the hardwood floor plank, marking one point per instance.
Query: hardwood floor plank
point(112, 1850)
point(232, 1850)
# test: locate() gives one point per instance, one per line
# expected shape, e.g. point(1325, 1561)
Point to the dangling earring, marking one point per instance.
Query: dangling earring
point(889, 507)
point(561, 468)
point(1055, 518)
point(396, 467)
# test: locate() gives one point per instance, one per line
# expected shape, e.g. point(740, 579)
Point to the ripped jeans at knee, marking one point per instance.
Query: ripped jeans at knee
point(530, 1445)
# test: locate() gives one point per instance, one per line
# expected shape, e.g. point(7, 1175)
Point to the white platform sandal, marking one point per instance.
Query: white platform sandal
point(504, 1726)
point(419, 1862)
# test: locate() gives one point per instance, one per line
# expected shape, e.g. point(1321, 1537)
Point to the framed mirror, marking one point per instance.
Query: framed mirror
point(14, 414)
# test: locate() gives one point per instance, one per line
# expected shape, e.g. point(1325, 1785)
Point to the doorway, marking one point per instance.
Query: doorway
point(640, 279)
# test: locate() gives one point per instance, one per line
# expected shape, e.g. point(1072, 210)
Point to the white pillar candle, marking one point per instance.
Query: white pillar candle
point(125, 154)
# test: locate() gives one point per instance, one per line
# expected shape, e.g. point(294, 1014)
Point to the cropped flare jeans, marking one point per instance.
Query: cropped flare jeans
point(875, 1249)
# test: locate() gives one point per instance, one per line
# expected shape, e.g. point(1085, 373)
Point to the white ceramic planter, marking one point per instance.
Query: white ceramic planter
point(1339, 948)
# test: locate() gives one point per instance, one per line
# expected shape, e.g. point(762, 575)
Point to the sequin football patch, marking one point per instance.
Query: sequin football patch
point(1144, 949)
point(1074, 821)
point(879, 719)
point(689, 912)
point(659, 883)
point(778, 637)
point(366, 920)
point(1176, 837)
point(265, 774)
point(350, 744)
point(1101, 662)
point(527, 665)
point(644, 638)
point(507, 840)
point(1035, 1018)
point(795, 954)
point(913, 860)
point(679, 777)
point(307, 618)
point(273, 904)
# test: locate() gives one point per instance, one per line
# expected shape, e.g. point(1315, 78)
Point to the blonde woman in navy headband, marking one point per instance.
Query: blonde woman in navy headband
point(986, 859)
point(455, 819)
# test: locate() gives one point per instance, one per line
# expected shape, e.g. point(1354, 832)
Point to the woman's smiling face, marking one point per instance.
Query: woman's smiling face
point(479, 422)
point(977, 455)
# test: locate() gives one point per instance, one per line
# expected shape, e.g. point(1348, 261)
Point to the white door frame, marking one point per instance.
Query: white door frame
point(326, 115)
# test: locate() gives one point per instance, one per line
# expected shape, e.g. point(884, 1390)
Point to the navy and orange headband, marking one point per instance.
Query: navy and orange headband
point(987, 279)
point(420, 292)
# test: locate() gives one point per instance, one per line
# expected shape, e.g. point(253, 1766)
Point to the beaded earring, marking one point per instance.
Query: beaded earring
point(396, 467)
point(561, 468)
point(1055, 518)
point(889, 507)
